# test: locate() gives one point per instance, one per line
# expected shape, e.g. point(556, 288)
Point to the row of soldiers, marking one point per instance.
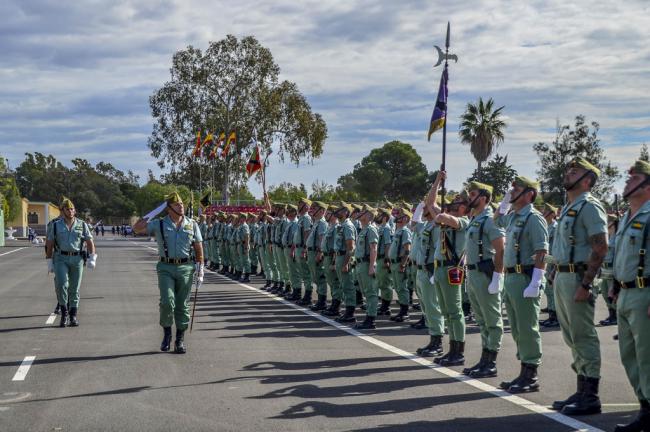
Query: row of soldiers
point(505, 254)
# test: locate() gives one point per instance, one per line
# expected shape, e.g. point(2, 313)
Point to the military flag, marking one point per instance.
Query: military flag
point(232, 139)
point(197, 147)
point(205, 201)
point(439, 116)
point(254, 164)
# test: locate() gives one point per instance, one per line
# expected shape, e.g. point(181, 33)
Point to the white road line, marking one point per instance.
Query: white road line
point(50, 319)
point(21, 373)
point(12, 251)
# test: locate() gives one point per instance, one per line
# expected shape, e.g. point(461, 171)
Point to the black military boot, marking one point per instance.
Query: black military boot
point(245, 278)
point(57, 309)
point(457, 355)
point(477, 366)
point(64, 317)
point(467, 312)
point(167, 339)
point(348, 316)
point(276, 288)
point(294, 294)
point(505, 385)
point(333, 310)
point(267, 285)
point(640, 423)
point(588, 402)
point(179, 346)
point(551, 321)
point(402, 315)
point(433, 348)
point(610, 320)
point(223, 270)
point(528, 382)
point(559, 404)
point(359, 300)
point(384, 308)
point(367, 324)
point(421, 324)
point(489, 368)
point(306, 299)
point(74, 322)
point(445, 356)
point(321, 303)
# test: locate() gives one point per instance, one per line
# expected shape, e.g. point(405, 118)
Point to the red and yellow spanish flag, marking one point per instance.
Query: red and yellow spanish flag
point(254, 164)
point(197, 147)
point(232, 139)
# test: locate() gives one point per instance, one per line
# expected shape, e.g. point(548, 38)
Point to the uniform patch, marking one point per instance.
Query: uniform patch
point(188, 227)
point(476, 224)
point(519, 223)
point(572, 213)
point(637, 225)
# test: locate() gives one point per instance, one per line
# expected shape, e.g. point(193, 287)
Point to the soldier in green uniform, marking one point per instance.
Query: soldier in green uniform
point(300, 250)
point(251, 220)
point(579, 248)
point(232, 247)
point(632, 274)
point(223, 244)
point(354, 218)
point(365, 255)
point(281, 225)
point(416, 227)
point(203, 227)
point(550, 215)
point(344, 243)
point(398, 254)
point(526, 247)
point(176, 235)
point(260, 245)
point(313, 245)
point(64, 256)
point(269, 246)
point(244, 247)
point(328, 251)
point(606, 280)
point(293, 288)
point(383, 276)
point(484, 248)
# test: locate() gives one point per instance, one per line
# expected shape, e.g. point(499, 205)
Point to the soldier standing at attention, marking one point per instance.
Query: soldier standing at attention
point(606, 281)
point(344, 242)
point(300, 250)
point(64, 256)
point(550, 214)
point(365, 254)
point(579, 248)
point(328, 251)
point(398, 254)
point(417, 226)
point(632, 274)
point(313, 244)
point(281, 225)
point(203, 227)
point(383, 268)
point(244, 247)
point(293, 288)
point(176, 235)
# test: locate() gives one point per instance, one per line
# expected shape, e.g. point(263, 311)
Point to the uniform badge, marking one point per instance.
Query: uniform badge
point(572, 213)
point(188, 227)
point(637, 225)
point(519, 223)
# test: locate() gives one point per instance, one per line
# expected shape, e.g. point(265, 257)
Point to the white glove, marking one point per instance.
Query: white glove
point(504, 206)
point(417, 216)
point(50, 265)
point(532, 290)
point(432, 279)
point(92, 261)
point(497, 283)
point(199, 272)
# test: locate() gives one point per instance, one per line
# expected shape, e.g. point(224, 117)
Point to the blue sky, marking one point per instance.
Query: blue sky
point(76, 76)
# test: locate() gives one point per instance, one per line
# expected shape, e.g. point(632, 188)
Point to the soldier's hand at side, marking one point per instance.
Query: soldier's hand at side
point(345, 268)
point(304, 254)
point(50, 265)
point(582, 295)
point(371, 271)
point(612, 294)
point(92, 261)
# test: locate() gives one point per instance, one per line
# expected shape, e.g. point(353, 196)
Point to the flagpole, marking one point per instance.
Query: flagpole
point(443, 190)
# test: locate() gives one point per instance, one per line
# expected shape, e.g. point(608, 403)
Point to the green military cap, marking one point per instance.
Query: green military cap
point(319, 204)
point(66, 203)
point(332, 207)
point(305, 201)
point(408, 213)
point(356, 206)
point(474, 185)
point(640, 167)
point(174, 198)
point(292, 207)
point(461, 197)
point(406, 206)
point(525, 182)
point(369, 209)
point(549, 208)
point(580, 162)
point(343, 205)
point(389, 205)
point(385, 212)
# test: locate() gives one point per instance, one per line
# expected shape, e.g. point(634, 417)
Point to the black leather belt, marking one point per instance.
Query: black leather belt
point(445, 263)
point(69, 253)
point(472, 267)
point(637, 283)
point(571, 268)
point(176, 261)
point(520, 269)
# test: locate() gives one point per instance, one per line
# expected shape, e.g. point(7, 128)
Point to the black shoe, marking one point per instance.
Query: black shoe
point(527, 382)
point(456, 356)
point(551, 321)
point(588, 403)
point(179, 346)
point(402, 315)
point(610, 320)
point(333, 310)
point(367, 324)
point(57, 309)
point(416, 307)
point(245, 278)
point(268, 284)
point(559, 404)
point(348, 316)
point(295, 295)
point(167, 339)
point(321, 303)
point(433, 348)
point(505, 385)
point(64, 321)
point(477, 366)
point(419, 325)
point(384, 308)
point(74, 322)
point(305, 300)
point(640, 423)
point(544, 310)
point(488, 369)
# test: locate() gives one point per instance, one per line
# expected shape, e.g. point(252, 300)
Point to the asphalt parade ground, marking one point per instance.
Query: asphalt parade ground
point(254, 363)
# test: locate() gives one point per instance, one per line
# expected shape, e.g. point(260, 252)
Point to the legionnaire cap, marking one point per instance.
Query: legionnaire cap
point(640, 167)
point(389, 205)
point(356, 206)
point(173, 198)
point(408, 213)
point(474, 185)
point(319, 204)
point(292, 207)
point(332, 208)
point(549, 208)
point(305, 201)
point(343, 205)
point(368, 209)
point(460, 198)
point(385, 212)
point(525, 182)
point(66, 204)
point(406, 206)
point(580, 162)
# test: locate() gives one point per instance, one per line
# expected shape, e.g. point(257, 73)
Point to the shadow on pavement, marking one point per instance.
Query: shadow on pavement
point(43, 361)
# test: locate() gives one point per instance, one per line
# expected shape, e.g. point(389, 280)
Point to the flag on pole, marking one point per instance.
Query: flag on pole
point(254, 164)
point(205, 201)
point(216, 150)
point(439, 115)
point(197, 147)
point(232, 139)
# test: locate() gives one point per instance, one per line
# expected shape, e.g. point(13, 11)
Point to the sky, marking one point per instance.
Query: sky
point(75, 77)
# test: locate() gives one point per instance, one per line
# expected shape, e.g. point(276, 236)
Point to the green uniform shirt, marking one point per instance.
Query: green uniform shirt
point(344, 231)
point(491, 232)
point(290, 228)
point(280, 227)
point(385, 239)
point(327, 242)
point(304, 224)
point(428, 238)
point(318, 230)
point(366, 237)
point(401, 238)
point(244, 232)
point(416, 249)
point(551, 234)
point(591, 220)
point(179, 240)
point(533, 238)
point(456, 239)
point(628, 242)
point(69, 240)
point(203, 227)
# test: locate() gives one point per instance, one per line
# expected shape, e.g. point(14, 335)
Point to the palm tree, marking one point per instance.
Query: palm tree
point(481, 128)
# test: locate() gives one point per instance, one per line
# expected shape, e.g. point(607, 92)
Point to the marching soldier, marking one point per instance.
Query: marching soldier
point(300, 250)
point(251, 220)
point(344, 242)
point(65, 258)
point(550, 214)
point(632, 274)
point(383, 269)
point(314, 256)
point(269, 236)
point(328, 251)
point(579, 248)
point(365, 255)
point(398, 253)
point(176, 235)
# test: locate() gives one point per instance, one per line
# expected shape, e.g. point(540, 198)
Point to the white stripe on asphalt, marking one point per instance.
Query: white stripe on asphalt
point(12, 251)
point(50, 319)
point(21, 373)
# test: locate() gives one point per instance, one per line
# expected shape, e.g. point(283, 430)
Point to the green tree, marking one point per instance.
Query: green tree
point(322, 191)
point(393, 171)
point(568, 143)
point(481, 127)
point(233, 85)
point(644, 155)
point(9, 195)
point(287, 192)
point(496, 173)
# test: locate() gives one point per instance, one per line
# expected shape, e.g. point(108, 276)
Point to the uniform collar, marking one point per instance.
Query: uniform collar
point(487, 211)
point(525, 210)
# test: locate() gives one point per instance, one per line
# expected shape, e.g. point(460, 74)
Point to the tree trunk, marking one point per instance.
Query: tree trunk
point(478, 172)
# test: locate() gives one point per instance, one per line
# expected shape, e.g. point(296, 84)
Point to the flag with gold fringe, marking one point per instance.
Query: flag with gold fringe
point(254, 164)
point(439, 116)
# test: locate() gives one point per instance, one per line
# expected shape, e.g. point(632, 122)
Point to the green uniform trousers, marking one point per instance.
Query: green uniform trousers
point(604, 284)
point(252, 259)
point(577, 325)
point(487, 309)
point(225, 256)
point(523, 316)
point(245, 258)
point(317, 273)
point(216, 252)
point(348, 290)
point(412, 271)
point(450, 299)
point(332, 277)
point(550, 295)
point(274, 272)
point(369, 289)
point(234, 256)
point(294, 272)
point(399, 284)
point(68, 271)
point(384, 282)
point(281, 263)
point(175, 285)
point(430, 304)
point(302, 266)
point(261, 253)
point(634, 338)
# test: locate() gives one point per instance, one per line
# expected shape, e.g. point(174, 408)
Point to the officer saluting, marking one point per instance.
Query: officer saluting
point(63, 251)
point(176, 234)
